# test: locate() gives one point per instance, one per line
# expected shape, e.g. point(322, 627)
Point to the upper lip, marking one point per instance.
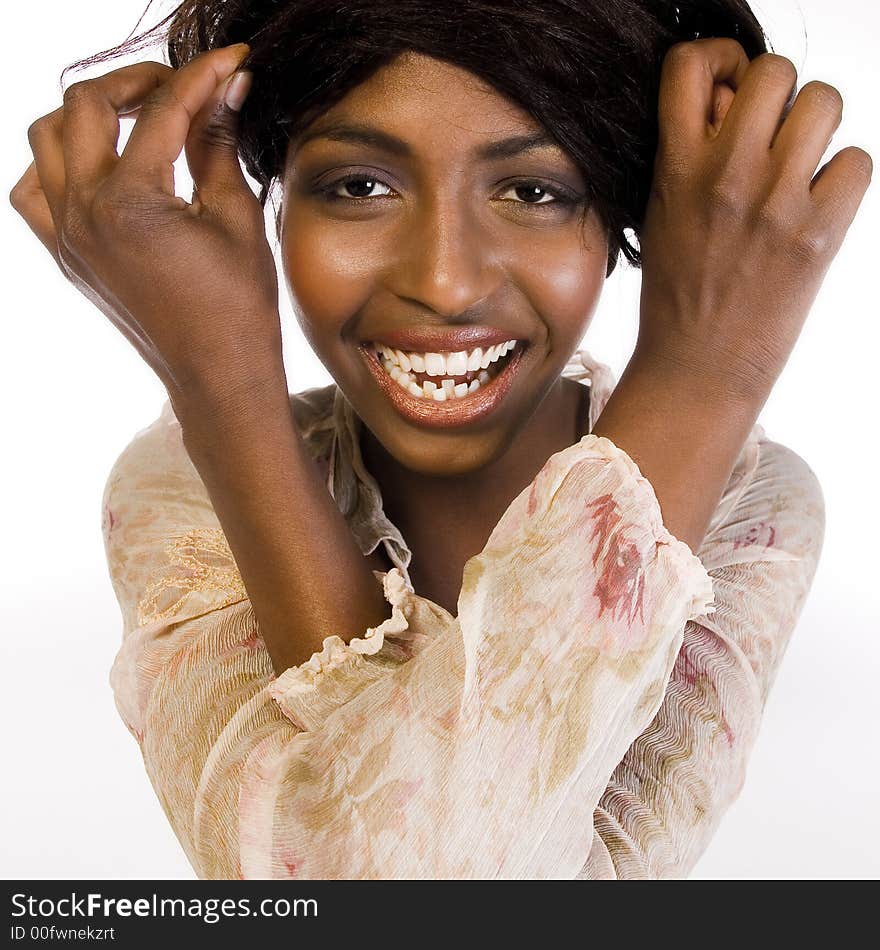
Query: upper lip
point(442, 339)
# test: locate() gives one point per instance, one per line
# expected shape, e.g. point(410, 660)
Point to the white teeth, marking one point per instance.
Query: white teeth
point(401, 365)
point(457, 363)
point(440, 364)
point(435, 364)
point(430, 390)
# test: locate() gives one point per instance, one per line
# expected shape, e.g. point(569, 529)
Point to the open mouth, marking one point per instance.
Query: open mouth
point(448, 388)
point(442, 376)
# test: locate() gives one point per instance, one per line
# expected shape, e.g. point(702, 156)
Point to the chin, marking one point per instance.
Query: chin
point(443, 456)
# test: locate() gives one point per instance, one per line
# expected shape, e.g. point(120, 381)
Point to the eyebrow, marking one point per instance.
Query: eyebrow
point(376, 138)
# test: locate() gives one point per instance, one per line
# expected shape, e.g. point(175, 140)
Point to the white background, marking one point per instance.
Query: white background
point(76, 801)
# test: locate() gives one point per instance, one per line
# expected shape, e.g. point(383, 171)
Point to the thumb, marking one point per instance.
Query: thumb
point(212, 142)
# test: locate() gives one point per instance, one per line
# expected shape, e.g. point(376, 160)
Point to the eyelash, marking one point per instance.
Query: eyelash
point(561, 197)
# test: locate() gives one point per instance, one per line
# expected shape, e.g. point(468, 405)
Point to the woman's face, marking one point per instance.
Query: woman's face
point(416, 220)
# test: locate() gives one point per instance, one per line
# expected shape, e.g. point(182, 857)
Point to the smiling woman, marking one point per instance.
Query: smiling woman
point(463, 256)
point(474, 609)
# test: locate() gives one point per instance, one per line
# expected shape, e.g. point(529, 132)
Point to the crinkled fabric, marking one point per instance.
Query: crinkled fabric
point(588, 713)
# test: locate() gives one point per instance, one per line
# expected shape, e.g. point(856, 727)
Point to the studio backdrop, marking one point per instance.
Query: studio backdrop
point(76, 802)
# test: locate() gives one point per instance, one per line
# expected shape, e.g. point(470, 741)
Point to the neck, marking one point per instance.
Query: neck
point(466, 507)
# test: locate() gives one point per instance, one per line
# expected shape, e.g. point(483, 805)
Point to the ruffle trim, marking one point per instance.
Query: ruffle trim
point(343, 668)
point(307, 693)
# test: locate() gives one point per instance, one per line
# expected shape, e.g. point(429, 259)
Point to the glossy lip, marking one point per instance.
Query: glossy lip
point(448, 413)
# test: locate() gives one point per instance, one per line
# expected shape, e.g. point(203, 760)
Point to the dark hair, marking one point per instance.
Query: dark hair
point(587, 70)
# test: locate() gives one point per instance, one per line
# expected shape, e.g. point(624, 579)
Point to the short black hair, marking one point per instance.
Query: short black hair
point(588, 71)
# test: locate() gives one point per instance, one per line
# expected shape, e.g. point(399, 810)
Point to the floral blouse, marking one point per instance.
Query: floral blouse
point(589, 712)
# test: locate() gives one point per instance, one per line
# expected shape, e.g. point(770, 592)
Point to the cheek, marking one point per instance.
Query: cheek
point(564, 281)
point(329, 270)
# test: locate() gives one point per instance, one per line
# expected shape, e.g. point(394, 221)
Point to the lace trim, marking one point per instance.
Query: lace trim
point(199, 561)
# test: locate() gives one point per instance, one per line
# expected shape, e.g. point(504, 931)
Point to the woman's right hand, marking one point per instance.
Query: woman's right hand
point(740, 230)
point(192, 286)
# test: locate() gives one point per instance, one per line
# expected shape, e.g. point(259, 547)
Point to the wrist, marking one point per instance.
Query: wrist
point(701, 372)
point(222, 415)
point(683, 433)
point(224, 393)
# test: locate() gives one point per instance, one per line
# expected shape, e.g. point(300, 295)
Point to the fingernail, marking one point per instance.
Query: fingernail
point(237, 87)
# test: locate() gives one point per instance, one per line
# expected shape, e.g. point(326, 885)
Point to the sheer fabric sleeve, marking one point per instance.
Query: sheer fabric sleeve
point(667, 795)
point(432, 747)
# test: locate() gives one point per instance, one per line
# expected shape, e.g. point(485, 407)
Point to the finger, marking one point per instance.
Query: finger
point(758, 106)
point(44, 137)
point(840, 186)
point(29, 201)
point(159, 135)
point(691, 73)
point(212, 143)
point(724, 96)
point(91, 119)
point(807, 131)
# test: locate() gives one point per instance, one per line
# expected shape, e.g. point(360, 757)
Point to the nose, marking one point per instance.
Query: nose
point(446, 260)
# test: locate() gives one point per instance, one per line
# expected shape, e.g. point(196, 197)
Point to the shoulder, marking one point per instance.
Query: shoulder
point(166, 553)
point(166, 550)
point(773, 507)
point(155, 465)
point(156, 460)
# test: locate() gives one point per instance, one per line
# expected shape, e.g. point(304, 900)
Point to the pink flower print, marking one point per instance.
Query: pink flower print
point(759, 533)
point(620, 586)
point(108, 521)
point(251, 643)
point(533, 498)
point(702, 683)
point(291, 865)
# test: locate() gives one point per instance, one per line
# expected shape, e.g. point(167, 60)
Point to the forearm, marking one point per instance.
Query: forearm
point(304, 574)
point(684, 433)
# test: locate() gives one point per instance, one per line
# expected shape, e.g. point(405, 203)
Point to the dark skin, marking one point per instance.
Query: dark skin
point(735, 195)
point(446, 521)
point(451, 239)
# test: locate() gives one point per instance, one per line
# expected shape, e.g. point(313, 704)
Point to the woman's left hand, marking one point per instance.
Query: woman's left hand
point(193, 286)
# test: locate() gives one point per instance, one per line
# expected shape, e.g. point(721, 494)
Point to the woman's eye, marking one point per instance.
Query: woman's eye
point(354, 187)
point(533, 193)
point(358, 189)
